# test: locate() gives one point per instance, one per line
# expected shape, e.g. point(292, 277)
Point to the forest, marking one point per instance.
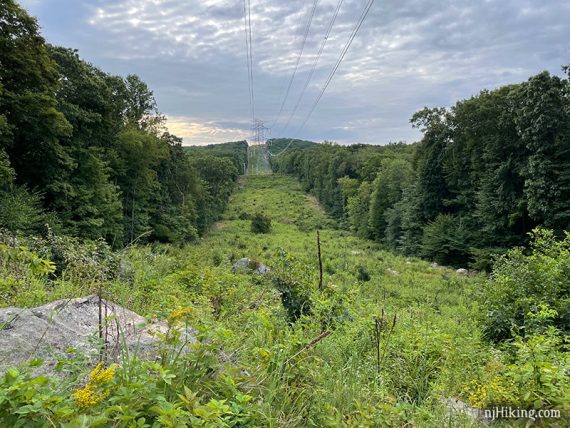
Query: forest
point(487, 172)
point(88, 153)
point(148, 284)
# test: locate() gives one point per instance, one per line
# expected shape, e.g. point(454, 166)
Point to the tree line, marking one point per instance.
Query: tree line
point(88, 153)
point(487, 171)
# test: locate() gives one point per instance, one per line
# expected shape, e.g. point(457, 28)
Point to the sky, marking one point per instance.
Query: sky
point(408, 54)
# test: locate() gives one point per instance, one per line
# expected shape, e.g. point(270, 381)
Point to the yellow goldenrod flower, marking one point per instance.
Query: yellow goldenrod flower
point(179, 314)
point(87, 396)
point(100, 376)
point(96, 389)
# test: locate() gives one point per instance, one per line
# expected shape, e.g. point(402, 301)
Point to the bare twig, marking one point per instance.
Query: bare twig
point(310, 344)
point(320, 261)
point(382, 349)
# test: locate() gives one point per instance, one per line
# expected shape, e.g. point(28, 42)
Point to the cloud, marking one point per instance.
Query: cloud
point(196, 132)
point(408, 54)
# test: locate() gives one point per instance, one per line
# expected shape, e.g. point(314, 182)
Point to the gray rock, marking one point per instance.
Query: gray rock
point(62, 328)
point(392, 271)
point(455, 405)
point(462, 271)
point(246, 265)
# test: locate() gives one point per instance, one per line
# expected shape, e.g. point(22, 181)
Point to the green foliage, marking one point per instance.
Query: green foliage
point(530, 373)
point(497, 163)
point(235, 152)
point(292, 282)
point(362, 273)
point(92, 147)
point(21, 210)
point(21, 272)
point(393, 179)
point(11, 257)
point(260, 223)
point(278, 145)
point(261, 357)
point(529, 293)
point(445, 240)
point(7, 173)
point(358, 210)
point(324, 169)
point(180, 392)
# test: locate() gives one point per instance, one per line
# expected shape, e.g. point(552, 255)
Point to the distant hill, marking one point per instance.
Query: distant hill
point(236, 151)
point(276, 145)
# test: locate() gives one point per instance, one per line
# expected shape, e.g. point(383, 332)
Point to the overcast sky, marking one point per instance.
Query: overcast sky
point(408, 54)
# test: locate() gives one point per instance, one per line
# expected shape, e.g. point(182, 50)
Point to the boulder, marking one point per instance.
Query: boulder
point(462, 271)
point(246, 265)
point(63, 328)
point(455, 405)
point(392, 271)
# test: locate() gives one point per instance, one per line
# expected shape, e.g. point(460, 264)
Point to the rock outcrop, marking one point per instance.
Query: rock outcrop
point(246, 265)
point(63, 328)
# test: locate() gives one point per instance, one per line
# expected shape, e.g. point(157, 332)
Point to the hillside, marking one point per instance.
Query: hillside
point(283, 283)
point(386, 342)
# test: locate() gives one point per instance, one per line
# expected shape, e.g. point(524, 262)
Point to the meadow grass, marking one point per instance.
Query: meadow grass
point(385, 342)
point(434, 346)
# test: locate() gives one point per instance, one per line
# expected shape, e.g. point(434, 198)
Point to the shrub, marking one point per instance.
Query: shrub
point(244, 216)
point(528, 293)
point(445, 241)
point(363, 274)
point(531, 374)
point(21, 210)
point(485, 258)
point(260, 223)
point(292, 280)
point(217, 259)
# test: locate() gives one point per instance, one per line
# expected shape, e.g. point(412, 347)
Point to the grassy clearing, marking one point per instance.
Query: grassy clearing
point(432, 350)
point(402, 335)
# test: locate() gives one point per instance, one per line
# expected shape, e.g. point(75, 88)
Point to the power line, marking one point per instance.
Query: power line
point(315, 62)
point(333, 71)
point(338, 62)
point(305, 35)
point(249, 55)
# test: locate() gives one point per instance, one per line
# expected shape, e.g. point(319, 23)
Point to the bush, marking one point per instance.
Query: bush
point(531, 374)
point(20, 210)
point(292, 280)
point(445, 241)
point(363, 274)
point(529, 293)
point(260, 223)
point(485, 258)
point(244, 216)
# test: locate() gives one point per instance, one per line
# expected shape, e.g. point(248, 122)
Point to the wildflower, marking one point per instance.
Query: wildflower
point(100, 376)
point(87, 396)
point(179, 314)
point(97, 389)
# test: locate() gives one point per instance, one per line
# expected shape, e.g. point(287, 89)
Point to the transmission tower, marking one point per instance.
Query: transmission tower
point(260, 132)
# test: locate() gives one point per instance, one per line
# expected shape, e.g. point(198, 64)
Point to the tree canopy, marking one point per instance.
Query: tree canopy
point(87, 152)
point(486, 172)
